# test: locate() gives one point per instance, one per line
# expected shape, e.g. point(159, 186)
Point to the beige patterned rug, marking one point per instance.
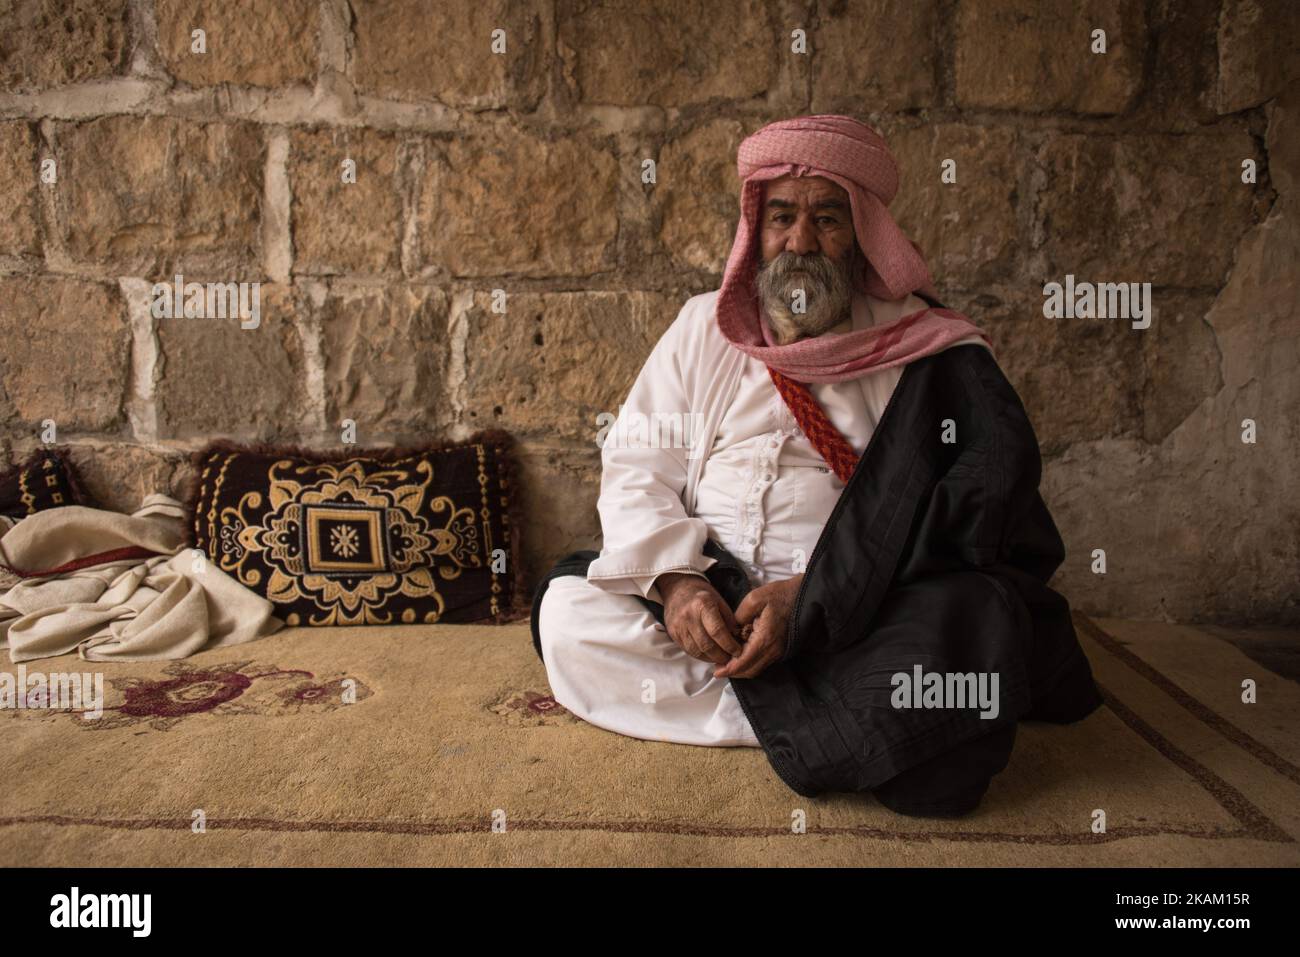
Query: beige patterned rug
point(440, 745)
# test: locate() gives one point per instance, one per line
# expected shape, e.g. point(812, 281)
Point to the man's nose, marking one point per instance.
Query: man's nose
point(803, 238)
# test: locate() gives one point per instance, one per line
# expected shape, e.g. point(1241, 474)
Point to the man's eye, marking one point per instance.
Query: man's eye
point(821, 220)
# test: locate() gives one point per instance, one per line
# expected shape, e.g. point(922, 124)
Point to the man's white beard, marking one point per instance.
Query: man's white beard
point(828, 294)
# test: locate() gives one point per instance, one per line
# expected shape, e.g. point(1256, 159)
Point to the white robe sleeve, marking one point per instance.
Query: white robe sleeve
point(642, 516)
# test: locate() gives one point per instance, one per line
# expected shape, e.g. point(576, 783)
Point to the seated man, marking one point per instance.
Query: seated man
point(764, 582)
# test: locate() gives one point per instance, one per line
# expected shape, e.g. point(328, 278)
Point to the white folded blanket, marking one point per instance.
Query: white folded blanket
point(80, 578)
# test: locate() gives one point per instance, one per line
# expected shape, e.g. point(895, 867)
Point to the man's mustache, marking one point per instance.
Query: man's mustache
point(818, 265)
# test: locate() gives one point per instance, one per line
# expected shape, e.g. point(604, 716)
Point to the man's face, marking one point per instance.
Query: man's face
point(808, 245)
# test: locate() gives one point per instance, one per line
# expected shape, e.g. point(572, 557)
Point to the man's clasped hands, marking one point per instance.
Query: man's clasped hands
point(742, 644)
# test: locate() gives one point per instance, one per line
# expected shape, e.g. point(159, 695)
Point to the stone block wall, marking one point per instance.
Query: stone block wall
point(500, 147)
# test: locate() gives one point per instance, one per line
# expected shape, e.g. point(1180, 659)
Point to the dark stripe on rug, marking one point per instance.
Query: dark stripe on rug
point(1242, 739)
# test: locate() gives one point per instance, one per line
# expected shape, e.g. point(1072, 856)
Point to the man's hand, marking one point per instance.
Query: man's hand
point(765, 614)
point(697, 618)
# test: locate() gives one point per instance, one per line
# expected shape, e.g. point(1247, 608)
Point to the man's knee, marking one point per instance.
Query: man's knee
point(951, 784)
point(574, 612)
point(557, 615)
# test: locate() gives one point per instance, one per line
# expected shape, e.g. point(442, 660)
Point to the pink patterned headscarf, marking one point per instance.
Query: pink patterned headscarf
point(853, 155)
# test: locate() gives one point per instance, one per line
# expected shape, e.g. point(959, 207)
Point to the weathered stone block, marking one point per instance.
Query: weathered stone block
point(1161, 209)
point(1259, 52)
point(153, 195)
point(118, 475)
point(698, 193)
point(385, 356)
point(19, 190)
point(50, 43)
point(1079, 379)
point(1184, 65)
point(626, 53)
point(875, 55)
point(560, 487)
point(445, 52)
point(967, 228)
point(1181, 358)
point(1023, 55)
point(508, 202)
point(255, 42)
point(67, 353)
point(342, 226)
point(218, 379)
point(553, 362)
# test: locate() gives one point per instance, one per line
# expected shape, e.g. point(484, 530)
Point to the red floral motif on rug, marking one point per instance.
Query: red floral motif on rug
point(532, 708)
point(232, 688)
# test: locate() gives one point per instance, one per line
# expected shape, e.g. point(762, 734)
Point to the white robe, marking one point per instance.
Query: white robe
point(762, 492)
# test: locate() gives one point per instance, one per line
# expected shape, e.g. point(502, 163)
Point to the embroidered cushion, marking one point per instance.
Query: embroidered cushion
point(366, 537)
point(46, 480)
